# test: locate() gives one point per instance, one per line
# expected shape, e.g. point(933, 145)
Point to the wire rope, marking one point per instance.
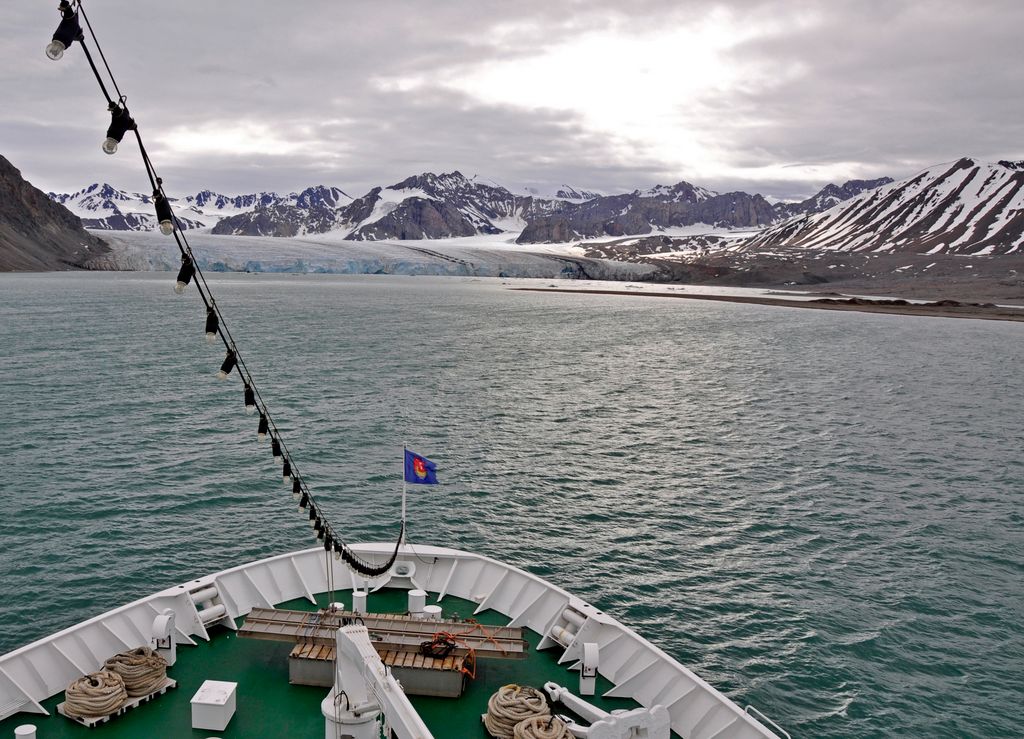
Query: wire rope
point(327, 532)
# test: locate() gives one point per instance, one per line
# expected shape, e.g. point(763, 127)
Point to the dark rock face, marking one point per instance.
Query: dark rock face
point(639, 212)
point(360, 209)
point(418, 218)
point(321, 197)
point(268, 220)
point(37, 234)
point(216, 201)
point(314, 210)
point(278, 219)
point(479, 201)
point(434, 207)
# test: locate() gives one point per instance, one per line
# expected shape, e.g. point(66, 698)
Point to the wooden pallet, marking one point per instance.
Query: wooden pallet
point(391, 658)
point(92, 721)
point(388, 632)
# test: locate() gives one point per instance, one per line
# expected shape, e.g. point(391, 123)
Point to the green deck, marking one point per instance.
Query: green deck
point(268, 706)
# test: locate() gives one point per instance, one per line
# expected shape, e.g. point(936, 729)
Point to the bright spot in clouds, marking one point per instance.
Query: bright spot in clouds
point(642, 89)
point(230, 139)
point(645, 93)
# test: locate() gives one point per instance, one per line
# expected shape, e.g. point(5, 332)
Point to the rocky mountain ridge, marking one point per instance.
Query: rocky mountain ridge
point(449, 205)
point(37, 234)
point(103, 207)
point(962, 207)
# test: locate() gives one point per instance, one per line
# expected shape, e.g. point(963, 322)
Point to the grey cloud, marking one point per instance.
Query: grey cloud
point(888, 86)
point(891, 86)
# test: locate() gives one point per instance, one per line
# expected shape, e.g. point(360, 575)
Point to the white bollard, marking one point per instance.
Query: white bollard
point(432, 613)
point(417, 600)
point(25, 731)
point(359, 601)
point(162, 638)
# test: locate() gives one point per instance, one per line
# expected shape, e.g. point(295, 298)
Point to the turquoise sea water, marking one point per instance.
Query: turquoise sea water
point(821, 513)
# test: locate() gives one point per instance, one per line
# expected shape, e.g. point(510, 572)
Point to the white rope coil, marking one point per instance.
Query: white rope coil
point(541, 727)
point(511, 705)
point(142, 669)
point(96, 694)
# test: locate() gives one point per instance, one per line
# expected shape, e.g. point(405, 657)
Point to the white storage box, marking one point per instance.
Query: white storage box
point(213, 705)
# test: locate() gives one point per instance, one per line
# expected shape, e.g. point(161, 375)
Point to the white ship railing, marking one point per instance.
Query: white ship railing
point(635, 667)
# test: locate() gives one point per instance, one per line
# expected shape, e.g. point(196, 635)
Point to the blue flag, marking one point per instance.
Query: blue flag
point(419, 470)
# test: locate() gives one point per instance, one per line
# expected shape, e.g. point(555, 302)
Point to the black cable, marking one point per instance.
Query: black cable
point(96, 72)
point(81, 10)
point(206, 294)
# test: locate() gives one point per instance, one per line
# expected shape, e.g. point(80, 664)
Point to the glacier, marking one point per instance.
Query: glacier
point(140, 251)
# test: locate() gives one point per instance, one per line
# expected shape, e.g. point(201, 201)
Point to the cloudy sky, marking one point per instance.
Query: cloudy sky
point(773, 96)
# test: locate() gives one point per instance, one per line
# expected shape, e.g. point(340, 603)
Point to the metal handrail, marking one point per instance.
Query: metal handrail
point(750, 710)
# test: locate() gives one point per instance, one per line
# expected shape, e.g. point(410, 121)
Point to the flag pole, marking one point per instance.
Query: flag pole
point(404, 451)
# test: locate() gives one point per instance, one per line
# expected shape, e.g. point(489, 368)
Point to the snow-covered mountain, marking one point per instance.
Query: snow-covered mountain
point(562, 192)
point(641, 212)
point(216, 205)
point(426, 206)
point(106, 208)
point(676, 206)
point(963, 207)
point(829, 196)
point(449, 205)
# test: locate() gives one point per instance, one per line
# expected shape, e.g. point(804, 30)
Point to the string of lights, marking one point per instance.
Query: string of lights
point(121, 122)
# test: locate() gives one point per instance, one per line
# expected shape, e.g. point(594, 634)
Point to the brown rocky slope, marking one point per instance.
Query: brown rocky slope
point(37, 234)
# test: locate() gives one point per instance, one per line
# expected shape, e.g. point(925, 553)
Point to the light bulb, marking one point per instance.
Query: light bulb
point(227, 366)
point(110, 145)
point(166, 228)
point(212, 325)
point(188, 269)
point(55, 50)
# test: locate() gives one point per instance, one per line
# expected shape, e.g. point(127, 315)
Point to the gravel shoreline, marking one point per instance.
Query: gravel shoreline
point(939, 309)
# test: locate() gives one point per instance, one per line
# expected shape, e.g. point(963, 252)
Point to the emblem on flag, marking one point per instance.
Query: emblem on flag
point(419, 470)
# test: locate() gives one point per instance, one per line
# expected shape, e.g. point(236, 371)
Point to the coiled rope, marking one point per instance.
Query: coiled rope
point(96, 694)
point(510, 705)
point(542, 727)
point(142, 669)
